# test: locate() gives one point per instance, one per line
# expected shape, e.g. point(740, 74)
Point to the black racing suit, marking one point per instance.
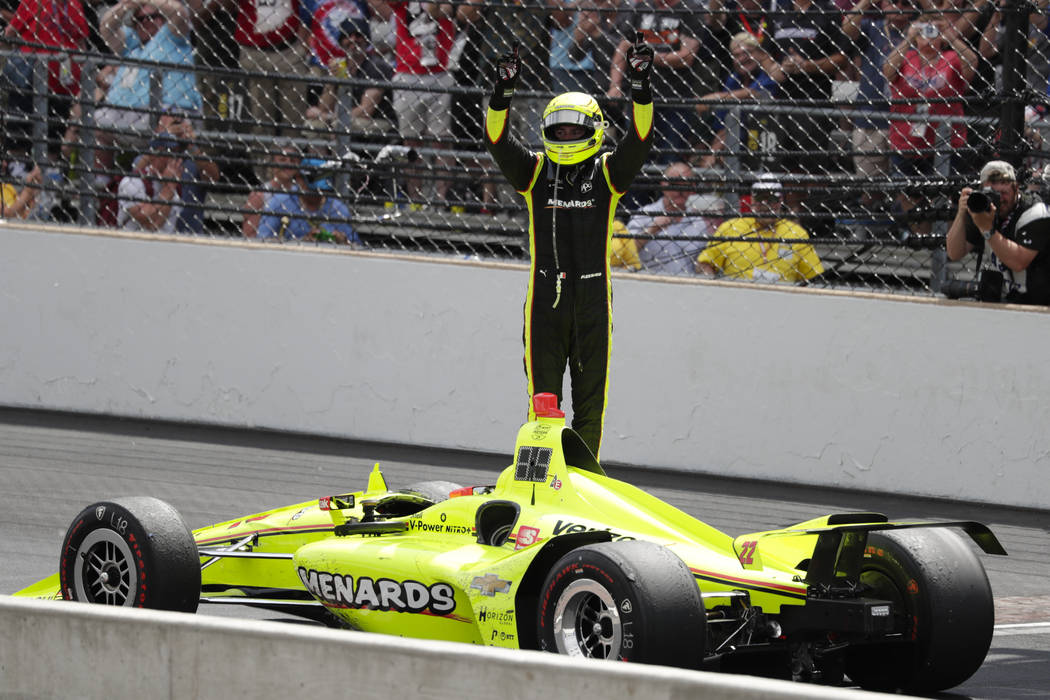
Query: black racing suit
point(568, 304)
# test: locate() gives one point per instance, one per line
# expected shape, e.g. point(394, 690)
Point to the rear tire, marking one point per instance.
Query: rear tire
point(630, 601)
point(943, 605)
point(131, 552)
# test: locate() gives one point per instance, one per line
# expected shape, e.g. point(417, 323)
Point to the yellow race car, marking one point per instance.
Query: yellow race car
point(560, 557)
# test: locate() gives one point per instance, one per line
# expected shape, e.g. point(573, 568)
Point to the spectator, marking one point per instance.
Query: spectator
point(351, 57)
point(875, 35)
point(680, 34)
point(197, 170)
point(326, 23)
point(933, 62)
point(272, 37)
point(809, 47)
point(56, 24)
point(583, 43)
point(158, 31)
point(623, 250)
point(310, 214)
point(667, 237)
point(748, 81)
point(284, 177)
point(1015, 233)
point(15, 202)
point(148, 199)
point(425, 33)
point(771, 257)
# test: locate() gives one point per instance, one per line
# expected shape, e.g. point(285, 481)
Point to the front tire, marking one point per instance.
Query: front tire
point(630, 601)
point(131, 552)
point(944, 608)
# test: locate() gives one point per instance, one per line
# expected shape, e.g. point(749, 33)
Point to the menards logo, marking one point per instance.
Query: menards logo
point(567, 528)
point(339, 590)
point(570, 203)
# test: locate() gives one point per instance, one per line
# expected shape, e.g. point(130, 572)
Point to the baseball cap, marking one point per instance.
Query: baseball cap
point(766, 185)
point(314, 172)
point(165, 143)
point(355, 25)
point(999, 170)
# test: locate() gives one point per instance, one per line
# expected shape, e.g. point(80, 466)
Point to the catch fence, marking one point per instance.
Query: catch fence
point(870, 154)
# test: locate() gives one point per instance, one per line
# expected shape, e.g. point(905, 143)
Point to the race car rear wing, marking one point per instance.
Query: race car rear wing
point(831, 548)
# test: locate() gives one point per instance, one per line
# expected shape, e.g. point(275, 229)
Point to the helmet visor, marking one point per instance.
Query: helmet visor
point(568, 117)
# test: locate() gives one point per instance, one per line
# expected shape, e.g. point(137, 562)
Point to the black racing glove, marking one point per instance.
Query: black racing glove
point(640, 70)
point(508, 67)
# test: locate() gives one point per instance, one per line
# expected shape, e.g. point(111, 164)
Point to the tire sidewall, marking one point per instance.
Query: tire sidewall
point(947, 610)
point(107, 515)
point(587, 563)
point(163, 559)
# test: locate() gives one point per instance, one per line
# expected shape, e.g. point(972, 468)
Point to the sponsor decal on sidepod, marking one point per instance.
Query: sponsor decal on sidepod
point(339, 590)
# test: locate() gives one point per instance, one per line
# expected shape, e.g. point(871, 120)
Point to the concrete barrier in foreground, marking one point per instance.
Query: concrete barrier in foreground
point(61, 650)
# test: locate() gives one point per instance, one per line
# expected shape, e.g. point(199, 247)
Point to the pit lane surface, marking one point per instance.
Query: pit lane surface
point(52, 465)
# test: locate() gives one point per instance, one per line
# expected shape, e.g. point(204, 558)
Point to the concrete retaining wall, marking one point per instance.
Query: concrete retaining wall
point(75, 650)
point(904, 395)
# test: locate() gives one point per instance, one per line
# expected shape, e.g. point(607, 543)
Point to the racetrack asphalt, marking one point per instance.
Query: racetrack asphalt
point(53, 464)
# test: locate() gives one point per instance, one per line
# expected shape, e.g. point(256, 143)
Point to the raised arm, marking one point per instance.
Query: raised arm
point(517, 163)
point(110, 27)
point(851, 20)
point(176, 14)
point(891, 68)
point(624, 163)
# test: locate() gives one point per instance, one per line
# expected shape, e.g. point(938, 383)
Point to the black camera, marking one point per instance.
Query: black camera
point(989, 286)
point(982, 200)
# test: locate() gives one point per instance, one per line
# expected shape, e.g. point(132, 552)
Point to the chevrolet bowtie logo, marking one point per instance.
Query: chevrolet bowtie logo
point(490, 585)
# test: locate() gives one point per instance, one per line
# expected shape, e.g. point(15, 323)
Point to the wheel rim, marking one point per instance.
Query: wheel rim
point(105, 570)
point(586, 621)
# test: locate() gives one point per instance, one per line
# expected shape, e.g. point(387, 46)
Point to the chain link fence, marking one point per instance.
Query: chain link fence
point(361, 123)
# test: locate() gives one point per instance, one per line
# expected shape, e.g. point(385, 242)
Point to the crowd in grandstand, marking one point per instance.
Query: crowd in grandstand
point(742, 87)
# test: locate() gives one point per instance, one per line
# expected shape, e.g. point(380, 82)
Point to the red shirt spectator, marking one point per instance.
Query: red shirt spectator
point(56, 23)
point(423, 43)
point(933, 71)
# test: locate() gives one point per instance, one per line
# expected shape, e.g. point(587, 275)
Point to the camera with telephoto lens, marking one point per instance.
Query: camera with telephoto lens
point(981, 200)
point(990, 285)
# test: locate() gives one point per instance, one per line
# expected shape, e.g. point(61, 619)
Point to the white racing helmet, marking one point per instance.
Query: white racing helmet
point(576, 109)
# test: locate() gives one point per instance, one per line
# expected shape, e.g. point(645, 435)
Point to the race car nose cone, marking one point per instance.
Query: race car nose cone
point(546, 406)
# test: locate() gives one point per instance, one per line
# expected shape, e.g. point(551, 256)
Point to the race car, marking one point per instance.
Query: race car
point(558, 556)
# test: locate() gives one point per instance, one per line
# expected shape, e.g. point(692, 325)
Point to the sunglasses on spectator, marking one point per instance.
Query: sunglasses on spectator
point(148, 17)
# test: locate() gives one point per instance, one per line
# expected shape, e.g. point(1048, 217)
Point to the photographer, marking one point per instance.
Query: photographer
point(1016, 228)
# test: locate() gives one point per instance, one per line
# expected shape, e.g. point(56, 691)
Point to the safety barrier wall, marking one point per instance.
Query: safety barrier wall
point(63, 650)
point(904, 395)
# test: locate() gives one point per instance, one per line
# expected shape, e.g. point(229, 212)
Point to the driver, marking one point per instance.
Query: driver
point(571, 191)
